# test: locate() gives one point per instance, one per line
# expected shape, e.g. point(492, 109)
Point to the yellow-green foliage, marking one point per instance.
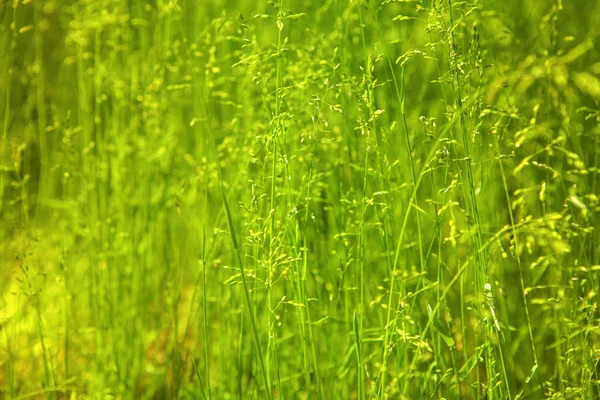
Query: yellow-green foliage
point(337, 199)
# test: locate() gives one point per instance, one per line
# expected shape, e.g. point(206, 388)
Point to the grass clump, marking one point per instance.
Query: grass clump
point(312, 200)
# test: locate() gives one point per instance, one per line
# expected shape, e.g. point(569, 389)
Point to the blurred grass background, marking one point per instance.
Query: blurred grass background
point(299, 199)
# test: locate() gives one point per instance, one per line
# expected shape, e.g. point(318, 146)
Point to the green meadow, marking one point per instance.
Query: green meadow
point(299, 199)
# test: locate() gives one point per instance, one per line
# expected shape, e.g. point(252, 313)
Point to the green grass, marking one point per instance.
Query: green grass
point(299, 199)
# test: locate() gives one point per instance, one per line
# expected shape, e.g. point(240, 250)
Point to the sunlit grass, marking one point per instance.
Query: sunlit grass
point(311, 200)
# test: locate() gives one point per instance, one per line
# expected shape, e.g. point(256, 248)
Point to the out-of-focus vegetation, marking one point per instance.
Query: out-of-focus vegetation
point(299, 199)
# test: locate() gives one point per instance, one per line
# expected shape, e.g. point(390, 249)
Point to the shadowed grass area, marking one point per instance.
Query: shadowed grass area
point(299, 199)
